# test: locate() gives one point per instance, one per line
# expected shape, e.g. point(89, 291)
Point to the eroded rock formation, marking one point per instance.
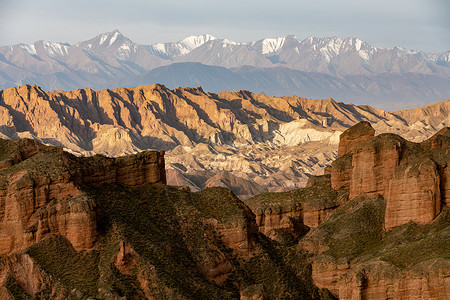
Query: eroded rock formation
point(118, 229)
point(411, 177)
point(397, 194)
point(375, 226)
point(271, 140)
point(37, 183)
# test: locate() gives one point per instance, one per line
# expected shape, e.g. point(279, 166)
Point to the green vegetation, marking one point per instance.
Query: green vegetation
point(356, 231)
point(111, 279)
point(58, 258)
point(174, 242)
point(411, 243)
point(8, 147)
point(42, 163)
point(283, 271)
point(319, 196)
point(210, 203)
point(352, 233)
point(16, 291)
point(153, 219)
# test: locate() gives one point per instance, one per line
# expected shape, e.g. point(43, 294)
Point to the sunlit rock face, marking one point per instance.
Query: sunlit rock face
point(267, 143)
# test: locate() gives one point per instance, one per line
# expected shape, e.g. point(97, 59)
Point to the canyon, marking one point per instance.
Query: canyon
point(375, 225)
point(250, 143)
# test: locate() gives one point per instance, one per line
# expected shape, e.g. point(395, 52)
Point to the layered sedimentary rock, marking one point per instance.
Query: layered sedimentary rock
point(294, 213)
point(412, 177)
point(387, 241)
point(271, 140)
point(124, 231)
point(37, 182)
point(272, 221)
point(327, 272)
point(414, 194)
point(355, 135)
point(373, 162)
point(376, 225)
point(383, 281)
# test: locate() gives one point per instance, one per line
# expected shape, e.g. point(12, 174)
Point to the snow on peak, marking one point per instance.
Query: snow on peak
point(182, 47)
point(194, 41)
point(111, 36)
point(30, 49)
point(125, 50)
point(228, 42)
point(330, 47)
point(272, 45)
point(114, 38)
point(56, 49)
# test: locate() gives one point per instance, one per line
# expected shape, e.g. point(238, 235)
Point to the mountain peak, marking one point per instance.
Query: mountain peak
point(195, 41)
point(270, 45)
point(109, 38)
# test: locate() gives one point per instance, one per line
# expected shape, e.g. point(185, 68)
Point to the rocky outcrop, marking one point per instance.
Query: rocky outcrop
point(398, 196)
point(373, 162)
point(116, 223)
point(271, 141)
point(273, 221)
point(237, 228)
point(380, 280)
point(354, 136)
point(341, 172)
point(131, 171)
point(38, 181)
point(290, 215)
point(414, 194)
point(412, 177)
point(327, 272)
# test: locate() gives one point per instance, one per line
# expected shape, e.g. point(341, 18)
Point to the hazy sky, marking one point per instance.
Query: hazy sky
point(414, 24)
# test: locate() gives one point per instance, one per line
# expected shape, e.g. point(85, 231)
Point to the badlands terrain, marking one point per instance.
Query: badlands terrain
point(347, 69)
point(250, 143)
point(375, 226)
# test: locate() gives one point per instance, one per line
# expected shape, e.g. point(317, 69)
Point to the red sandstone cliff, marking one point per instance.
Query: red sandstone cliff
point(413, 178)
point(38, 180)
point(396, 189)
point(48, 196)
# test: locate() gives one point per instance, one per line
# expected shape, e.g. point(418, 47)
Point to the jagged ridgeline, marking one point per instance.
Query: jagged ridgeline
point(250, 143)
point(376, 225)
point(349, 69)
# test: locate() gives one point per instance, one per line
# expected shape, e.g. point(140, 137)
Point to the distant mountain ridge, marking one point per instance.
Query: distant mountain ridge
point(348, 69)
point(271, 140)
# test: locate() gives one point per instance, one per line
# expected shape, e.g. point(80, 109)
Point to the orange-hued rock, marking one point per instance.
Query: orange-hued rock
point(313, 217)
point(37, 181)
point(414, 178)
point(326, 273)
point(354, 136)
point(341, 172)
point(414, 194)
point(271, 220)
point(373, 162)
point(380, 280)
point(238, 235)
point(392, 182)
point(28, 276)
point(292, 214)
point(280, 130)
point(126, 259)
point(131, 171)
point(445, 185)
point(295, 219)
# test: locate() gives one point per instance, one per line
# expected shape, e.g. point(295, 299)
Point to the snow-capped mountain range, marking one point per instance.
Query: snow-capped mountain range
point(356, 67)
